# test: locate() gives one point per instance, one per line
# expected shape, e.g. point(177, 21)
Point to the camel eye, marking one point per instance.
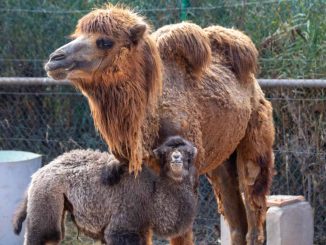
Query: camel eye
point(104, 43)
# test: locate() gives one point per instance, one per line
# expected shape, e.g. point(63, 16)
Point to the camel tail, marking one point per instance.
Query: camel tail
point(236, 49)
point(263, 181)
point(20, 216)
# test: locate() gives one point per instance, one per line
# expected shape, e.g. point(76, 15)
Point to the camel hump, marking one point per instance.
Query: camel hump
point(184, 42)
point(237, 50)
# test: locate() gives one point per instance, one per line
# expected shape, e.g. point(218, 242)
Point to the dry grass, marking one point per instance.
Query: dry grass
point(73, 238)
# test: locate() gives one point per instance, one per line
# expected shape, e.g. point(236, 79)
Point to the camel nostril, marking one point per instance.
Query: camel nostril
point(176, 156)
point(57, 56)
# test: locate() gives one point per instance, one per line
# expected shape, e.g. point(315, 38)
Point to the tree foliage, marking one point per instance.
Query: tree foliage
point(289, 34)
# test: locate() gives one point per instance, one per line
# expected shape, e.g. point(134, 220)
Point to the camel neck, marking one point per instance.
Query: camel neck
point(123, 100)
point(121, 113)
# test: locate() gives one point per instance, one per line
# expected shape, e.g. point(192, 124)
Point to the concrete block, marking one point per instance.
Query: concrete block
point(290, 225)
point(289, 221)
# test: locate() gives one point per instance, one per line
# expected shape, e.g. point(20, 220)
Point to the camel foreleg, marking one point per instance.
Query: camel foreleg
point(186, 239)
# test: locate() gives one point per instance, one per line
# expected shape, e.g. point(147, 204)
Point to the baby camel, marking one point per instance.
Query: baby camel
point(118, 215)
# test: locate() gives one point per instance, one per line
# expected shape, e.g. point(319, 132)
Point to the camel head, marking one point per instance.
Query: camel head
point(176, 156)
point(105, 47)
point(115, 63)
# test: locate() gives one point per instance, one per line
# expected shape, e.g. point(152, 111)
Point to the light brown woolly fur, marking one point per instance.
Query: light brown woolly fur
point(238, 51)
point(187, 43)
point(209, 96)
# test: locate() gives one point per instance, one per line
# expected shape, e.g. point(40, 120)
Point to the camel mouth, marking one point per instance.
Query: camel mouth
point(177, 164)
point(59, 70)
point(177, 172)
point(177, 175)
point(57, 75)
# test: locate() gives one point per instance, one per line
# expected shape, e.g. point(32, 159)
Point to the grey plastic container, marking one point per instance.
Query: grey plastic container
point(16, 168)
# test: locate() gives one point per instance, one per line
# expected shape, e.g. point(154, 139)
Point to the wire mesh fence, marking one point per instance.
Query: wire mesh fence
point(300, 149)
point(53, 119)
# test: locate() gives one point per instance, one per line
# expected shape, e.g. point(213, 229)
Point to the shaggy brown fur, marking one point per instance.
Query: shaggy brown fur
point(209, 96)
point(140, 90)
point(165, 204)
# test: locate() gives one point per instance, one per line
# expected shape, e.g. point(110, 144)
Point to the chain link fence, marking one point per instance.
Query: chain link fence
point(50, 120)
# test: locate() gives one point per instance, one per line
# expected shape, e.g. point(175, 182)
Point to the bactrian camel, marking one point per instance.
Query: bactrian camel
point(179, 80)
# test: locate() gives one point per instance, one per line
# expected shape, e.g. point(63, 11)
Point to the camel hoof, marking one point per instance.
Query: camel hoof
point(255, 238)
point(238, 237)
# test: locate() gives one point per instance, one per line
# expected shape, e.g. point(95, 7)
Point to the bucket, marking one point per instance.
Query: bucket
point(16, 168)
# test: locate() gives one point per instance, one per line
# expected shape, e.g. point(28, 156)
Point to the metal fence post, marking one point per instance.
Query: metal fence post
point(184, 5)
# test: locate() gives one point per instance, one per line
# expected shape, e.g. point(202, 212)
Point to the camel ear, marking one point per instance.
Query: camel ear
point(195, 152)
point(157, 154)
point(137, 32)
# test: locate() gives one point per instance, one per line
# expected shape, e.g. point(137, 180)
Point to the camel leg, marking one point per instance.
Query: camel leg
point(44, 219)
point(186, 239)
point(255, 163)
point(149, 237)
point(226, 188)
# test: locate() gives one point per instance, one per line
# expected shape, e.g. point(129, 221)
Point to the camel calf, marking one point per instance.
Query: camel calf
point(124, 213)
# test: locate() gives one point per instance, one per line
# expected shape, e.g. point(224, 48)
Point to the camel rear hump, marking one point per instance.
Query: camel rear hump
point(237, 51)
point(185, 41)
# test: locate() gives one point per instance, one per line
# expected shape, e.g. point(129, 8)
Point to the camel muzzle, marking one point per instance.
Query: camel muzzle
point(65, 56)
point(59, 59)
point(58, 66)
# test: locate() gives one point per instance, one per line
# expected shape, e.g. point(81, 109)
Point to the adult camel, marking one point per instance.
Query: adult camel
point(180, 80)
